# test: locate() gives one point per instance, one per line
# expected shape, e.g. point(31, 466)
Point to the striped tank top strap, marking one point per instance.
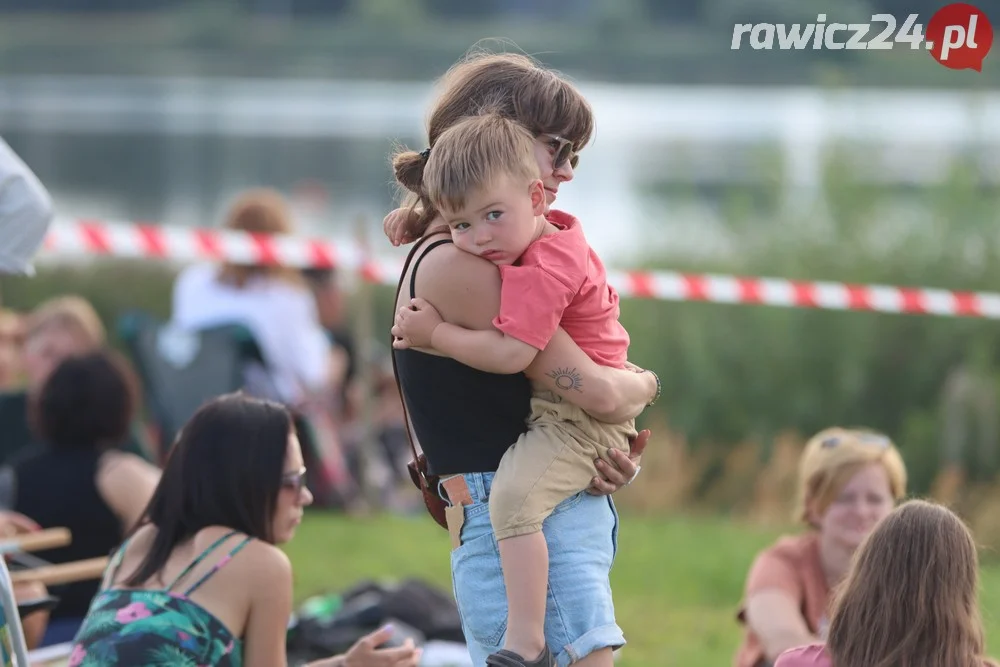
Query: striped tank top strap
point(200, 558)
point(218, 566)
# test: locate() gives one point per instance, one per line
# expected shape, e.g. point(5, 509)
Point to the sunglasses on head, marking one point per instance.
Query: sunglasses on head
point(869, 439)
point(294, 481)
point(562, 151)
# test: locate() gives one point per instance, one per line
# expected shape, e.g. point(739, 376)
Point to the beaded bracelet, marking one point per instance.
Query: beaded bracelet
point(659, 387)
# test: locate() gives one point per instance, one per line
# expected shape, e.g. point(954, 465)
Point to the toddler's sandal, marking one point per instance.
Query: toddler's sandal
point(505, 658)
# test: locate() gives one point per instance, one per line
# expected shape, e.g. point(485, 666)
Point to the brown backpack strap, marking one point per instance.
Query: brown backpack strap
point(418, 466)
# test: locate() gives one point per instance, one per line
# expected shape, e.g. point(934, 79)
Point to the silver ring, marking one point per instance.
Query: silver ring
point(636, 474)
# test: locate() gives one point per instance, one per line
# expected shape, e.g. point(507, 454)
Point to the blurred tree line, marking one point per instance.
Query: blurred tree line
point(655, 41)
point(745, 373)
point(734, 374)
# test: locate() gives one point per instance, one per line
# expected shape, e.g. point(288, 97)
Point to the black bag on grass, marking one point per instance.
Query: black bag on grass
point(331, 624)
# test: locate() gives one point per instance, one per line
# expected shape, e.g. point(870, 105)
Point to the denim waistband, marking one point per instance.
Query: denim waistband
point(479, 484)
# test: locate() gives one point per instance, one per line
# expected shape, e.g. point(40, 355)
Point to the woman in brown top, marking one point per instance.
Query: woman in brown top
point(848, 481)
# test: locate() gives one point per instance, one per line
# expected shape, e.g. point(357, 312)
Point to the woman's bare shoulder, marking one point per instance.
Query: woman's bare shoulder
point(142, 538)
point(463, 287)
point(116, 460)
point(126, 482)
point(264, 562)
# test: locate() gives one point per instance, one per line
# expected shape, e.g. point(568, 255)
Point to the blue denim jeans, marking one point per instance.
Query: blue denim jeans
point(582, 536)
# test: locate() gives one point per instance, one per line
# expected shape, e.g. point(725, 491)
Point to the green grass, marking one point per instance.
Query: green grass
point(677, 581)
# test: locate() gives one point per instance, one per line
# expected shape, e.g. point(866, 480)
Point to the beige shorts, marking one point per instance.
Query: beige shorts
point(553, 461)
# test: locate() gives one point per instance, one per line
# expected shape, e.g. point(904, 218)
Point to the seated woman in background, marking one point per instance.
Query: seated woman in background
point(910, 598)
point(848, 481)
point(232, 489)
point(274, 303)
point(56, 329)
point(76, 479)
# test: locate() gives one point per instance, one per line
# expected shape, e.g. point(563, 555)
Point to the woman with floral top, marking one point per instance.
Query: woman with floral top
point(201, 580)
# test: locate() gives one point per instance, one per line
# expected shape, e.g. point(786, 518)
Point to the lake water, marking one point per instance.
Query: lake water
point(176, 150)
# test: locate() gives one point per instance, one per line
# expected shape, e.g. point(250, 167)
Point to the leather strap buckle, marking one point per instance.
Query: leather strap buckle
point(457, 490)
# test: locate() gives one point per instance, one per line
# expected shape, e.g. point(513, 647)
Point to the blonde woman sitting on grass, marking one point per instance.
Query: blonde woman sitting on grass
point(849, 480)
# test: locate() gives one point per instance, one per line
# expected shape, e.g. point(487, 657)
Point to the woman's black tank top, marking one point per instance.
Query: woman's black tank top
point(464, 419)
point(59, 489)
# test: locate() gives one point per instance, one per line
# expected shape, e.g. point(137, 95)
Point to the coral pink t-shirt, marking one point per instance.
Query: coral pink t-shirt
point(560, 281)
point(814, 655)
point(791, 565)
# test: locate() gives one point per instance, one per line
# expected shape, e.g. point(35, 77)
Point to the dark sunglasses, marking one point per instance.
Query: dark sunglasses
point(870, 439)
point(562, 151)
point(294, 481)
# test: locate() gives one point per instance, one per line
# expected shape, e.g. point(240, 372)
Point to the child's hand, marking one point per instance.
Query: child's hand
point(395, 227)
point(415, 324)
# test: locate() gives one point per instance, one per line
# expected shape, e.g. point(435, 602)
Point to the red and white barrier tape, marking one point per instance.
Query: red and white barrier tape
point(673, 286)
point(94, 238)
point(148, 241)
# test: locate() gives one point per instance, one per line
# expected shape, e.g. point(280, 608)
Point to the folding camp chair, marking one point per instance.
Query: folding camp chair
point(181, 369)
point(13, 647)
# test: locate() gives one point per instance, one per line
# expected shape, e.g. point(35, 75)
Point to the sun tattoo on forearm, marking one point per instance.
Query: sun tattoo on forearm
point(567, 378)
